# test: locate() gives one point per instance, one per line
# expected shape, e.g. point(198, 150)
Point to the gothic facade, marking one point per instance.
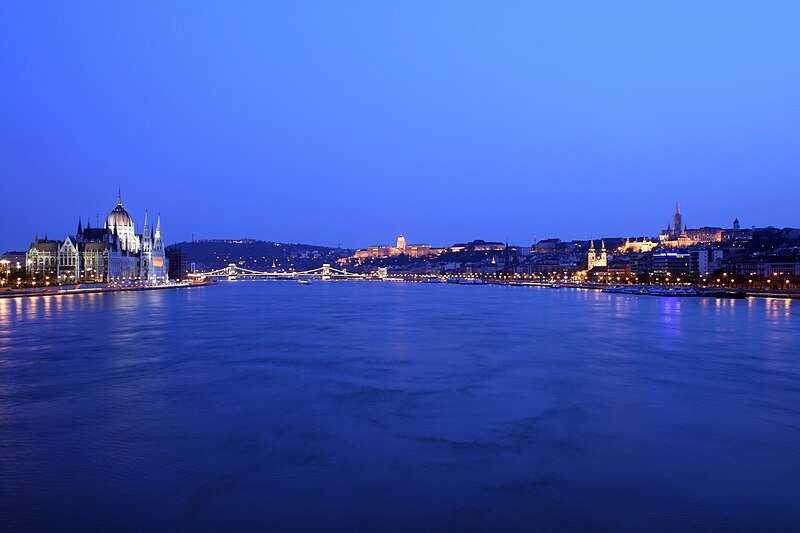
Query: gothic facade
point(114, 253)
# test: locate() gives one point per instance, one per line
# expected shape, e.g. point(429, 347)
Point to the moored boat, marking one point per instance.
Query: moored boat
point(651, 290)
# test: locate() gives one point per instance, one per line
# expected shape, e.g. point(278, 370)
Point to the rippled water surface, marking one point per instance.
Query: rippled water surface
point(395, 406)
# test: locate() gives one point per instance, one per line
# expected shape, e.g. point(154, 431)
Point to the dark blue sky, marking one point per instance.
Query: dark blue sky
point(349, 122)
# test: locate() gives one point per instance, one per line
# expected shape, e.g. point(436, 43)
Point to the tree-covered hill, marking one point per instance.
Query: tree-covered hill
point(258, 255)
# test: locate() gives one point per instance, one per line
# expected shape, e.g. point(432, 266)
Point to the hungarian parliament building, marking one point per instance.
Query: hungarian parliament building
point(114, 253)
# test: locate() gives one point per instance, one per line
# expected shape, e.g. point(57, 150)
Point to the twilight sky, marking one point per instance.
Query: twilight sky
point(350, 122)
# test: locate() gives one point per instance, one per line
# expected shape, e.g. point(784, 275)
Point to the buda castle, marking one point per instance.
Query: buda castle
point(114, 253)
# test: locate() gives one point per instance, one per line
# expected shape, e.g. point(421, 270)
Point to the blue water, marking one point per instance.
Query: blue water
point(395, 406)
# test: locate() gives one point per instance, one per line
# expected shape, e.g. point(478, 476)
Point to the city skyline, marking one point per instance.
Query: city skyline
point(347, 124)
point(377, 266)
point(117, 254)
point(98, 220)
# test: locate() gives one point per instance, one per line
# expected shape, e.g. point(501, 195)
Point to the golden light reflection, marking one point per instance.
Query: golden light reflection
point(30, 307)
point(776, 308)
point(5, 312)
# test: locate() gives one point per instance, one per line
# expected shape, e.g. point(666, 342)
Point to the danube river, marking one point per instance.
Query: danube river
point(397, 406)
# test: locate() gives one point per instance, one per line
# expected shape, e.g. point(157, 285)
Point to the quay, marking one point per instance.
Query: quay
point(93, 288)
point(644, 290)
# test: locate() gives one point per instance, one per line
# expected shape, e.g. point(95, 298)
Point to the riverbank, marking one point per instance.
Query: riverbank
point(94, 288)
point(707, 292)
point(716, 292)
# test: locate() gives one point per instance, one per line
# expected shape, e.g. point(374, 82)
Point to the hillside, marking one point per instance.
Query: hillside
point(258, 255)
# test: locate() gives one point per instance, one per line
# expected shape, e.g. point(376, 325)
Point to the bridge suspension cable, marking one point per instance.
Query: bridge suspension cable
point(233, 271)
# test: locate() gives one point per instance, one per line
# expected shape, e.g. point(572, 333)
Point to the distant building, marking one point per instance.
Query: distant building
point(42, 257)
point(547, 245)
point(736, 233)
point(178, 266)
point(769, 267)
point(478, 245)
point(665, 234)
point(12, 261)
point(705, 235)
point(684, 240)
point(639, 246)
point(702, 261)
point(678, 235)
point(593, 259)
point(418, 250)
point(375, 252)
point(484, 246)
point(384, 251)
point(673, 263)
point(617, 271)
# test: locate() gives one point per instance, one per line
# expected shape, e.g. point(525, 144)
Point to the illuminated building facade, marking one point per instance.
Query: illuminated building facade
point(675, 237)
point(593, 259)
point(769, 267)
point(672, 263)
point(706, 234)
point(114, 253)
point(704, 260)
point(384, 251)
point(673, 230)
point(639, 245)
point(418, 250)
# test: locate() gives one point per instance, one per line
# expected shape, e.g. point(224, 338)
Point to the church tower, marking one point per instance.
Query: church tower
point(158, 241)
point(603, 261)
point(146, 251)
point(146, 242)
point(677, 219)
point(159, 260)
point(591, 258)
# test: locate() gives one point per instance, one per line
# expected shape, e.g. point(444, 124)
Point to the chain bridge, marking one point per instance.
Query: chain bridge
point(234, 271)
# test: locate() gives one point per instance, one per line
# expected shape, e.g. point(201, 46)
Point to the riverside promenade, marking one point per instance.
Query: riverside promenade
point(95, 287)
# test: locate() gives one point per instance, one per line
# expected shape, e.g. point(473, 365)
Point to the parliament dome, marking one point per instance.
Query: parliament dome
point(119, 216)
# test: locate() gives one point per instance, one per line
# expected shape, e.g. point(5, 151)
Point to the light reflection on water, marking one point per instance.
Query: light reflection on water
point(398, 406)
